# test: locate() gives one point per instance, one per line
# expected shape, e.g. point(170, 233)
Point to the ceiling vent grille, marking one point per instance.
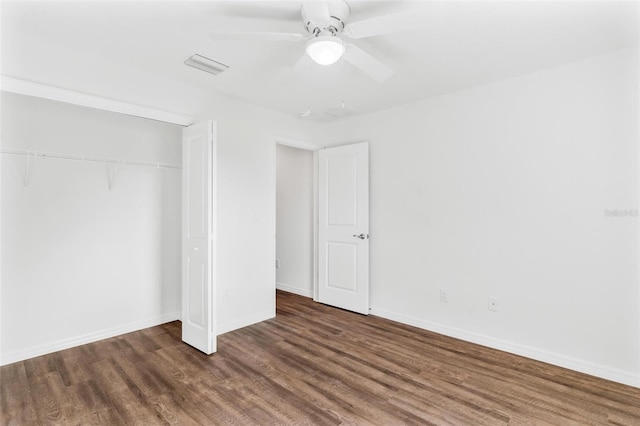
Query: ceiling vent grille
point(205, 64)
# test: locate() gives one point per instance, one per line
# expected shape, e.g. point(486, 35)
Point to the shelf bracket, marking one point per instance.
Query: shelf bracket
point(112, 172)
point(28, 164)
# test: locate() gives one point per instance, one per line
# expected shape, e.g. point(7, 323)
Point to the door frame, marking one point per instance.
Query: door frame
point(44, 91)
point(313, 148)
point(293, 143)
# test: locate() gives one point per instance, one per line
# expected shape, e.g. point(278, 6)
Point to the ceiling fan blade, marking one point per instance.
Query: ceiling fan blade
point(258, 10)
point(301, 67)
point(385, 24)
point(294, 72)
point(367, 63)
point(256, 36)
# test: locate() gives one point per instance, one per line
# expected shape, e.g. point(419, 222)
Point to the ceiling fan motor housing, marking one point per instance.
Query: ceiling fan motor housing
point(333, 23)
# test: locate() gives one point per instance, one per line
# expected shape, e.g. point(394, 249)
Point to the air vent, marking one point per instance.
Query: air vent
point(206, 64)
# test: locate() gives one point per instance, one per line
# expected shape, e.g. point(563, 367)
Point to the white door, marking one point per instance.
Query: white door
point(198, 204)
point(343, 227)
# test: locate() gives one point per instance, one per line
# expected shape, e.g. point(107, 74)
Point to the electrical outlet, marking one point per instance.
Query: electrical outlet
point(444, 297)
point(493, 304)
point(226, 293)
point(277, 263)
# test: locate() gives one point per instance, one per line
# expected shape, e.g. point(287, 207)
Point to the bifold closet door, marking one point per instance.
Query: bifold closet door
point(198, 227)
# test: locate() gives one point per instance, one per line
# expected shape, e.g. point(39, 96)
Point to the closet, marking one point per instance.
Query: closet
point(90, 224)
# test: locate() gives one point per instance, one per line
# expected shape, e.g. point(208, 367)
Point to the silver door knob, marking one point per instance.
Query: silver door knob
point(361, 236)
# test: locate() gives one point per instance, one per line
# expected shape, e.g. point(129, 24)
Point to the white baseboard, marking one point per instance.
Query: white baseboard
point(244, 322)
point(575, 364)
point(86, 338)
point(295, 290)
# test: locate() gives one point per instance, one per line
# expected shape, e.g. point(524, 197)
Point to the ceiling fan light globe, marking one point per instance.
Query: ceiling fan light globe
point(325, 50)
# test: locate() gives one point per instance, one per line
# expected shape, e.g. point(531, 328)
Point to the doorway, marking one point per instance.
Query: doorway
point(322, 223)
point(295, 232)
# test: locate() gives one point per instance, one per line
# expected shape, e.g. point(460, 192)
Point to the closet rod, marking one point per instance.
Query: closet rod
point(86, 158)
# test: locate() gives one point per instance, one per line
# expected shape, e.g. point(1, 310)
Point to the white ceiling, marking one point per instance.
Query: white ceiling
point(461, 44)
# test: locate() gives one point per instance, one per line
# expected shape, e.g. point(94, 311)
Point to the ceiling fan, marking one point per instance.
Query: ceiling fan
point(328, 28)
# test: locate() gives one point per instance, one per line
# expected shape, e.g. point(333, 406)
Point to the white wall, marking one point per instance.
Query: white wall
point(247, 208)
point(246, 163)
point(501, 190)
point(498, 190)
point(246, 196)
point(80, 262)
point(294, 220)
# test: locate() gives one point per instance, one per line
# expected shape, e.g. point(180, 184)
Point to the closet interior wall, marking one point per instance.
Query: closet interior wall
point(90, 248)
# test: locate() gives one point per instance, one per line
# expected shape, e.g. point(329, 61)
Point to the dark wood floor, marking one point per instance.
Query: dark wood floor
point(311, 365)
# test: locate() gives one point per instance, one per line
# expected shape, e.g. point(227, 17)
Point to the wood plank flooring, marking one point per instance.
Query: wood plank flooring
point(312, 365)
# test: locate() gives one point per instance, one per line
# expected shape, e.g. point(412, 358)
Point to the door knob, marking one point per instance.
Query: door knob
point(361, 236)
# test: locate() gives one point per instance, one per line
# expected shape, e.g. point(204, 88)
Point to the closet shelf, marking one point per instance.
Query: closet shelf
point(90, 159)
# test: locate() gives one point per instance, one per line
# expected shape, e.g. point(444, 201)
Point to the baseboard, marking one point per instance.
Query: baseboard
point(244, 322)
point(295, 290)
point(582, 366)
point(87, 338)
